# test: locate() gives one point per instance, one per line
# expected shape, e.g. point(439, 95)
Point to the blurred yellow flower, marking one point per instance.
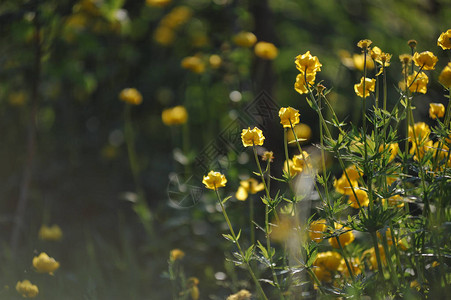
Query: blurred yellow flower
point(174, 116)
point(194, 64)
point(288, 116)
point(164, 36)
point(425, 59)
point(252, 137)
point(372, 256)
point(317, 229)
point(301, 86)
point(364, 44)
point(45, 264)
point(194, 292)
point(27, 289)
point(419, 150)
point(214, 180)
point(306, 63)
point(405, 59)
point(52, 233)
point(436, 110)
point(17, 98)
point(417, 82)
point(359, 59)
point(158, 3)
point(283, 229)
point(176, 254)
point(245, 39)
point(131, 96)
point(325, 264)
point(354, 263)
point(251, 186)
point(215, 61)
point(178, 16)
point(345, 238)
point(421, 133)
point(241, 295)
point(266, 50)
point(303, 133)
point(392, 149)
point(362, 198)
point(370, 85)
point(375, 52)
point(445, 76)
point(444, 40)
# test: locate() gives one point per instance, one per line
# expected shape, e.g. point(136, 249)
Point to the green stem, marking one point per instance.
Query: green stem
point(232, 232)
point(391, 268)
point(378, 255)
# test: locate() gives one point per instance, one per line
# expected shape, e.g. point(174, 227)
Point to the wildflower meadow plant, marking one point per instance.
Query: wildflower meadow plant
point(380, 227)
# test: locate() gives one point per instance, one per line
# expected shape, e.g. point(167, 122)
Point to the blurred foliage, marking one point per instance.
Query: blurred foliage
point(92, 49)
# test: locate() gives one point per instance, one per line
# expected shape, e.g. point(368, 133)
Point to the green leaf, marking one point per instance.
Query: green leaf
point(228, 237)
point(249, 252)
point(226, 199)
point(263, 250)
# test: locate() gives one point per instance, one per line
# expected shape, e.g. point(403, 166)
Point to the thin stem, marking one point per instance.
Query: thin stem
point(378, 255)
point(232, 232)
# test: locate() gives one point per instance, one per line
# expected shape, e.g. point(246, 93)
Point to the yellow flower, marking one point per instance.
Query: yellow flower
point(358, 61)
point(425, 59)
point(444, 40)
point(387, 234)
point(131, 96)
point(420, 83)
point(241, 295)
point(174, 116)
point(266, 50)
point(193, 64)
point(177, 16)
point(214, 180)
point(325, 264)
point(364, 44)
point(158, 3)
point(436, 110)
point(164, 36)
point(370, 84)
point(395, 200)
point(317, 229)
point(252, 137)
point(346, 238)
point(215, 61)
point(343, 186)
point(306, 63)
point(445, 76)
point(300, 162)
point(176, 254)
point(421, 149)
point(392, 149)
point(290, 164)
point(248, 186)
point(353, 173)
point(362, 198)
point(52, 233)
point(27, 289)
point(245, 39)
point(303, 133)
point(300, 85)
point(268, 155)
point(45, 264)
point(288, 116)
point(375, 52)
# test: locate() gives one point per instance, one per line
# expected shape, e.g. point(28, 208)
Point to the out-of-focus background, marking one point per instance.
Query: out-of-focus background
point(64, 154)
